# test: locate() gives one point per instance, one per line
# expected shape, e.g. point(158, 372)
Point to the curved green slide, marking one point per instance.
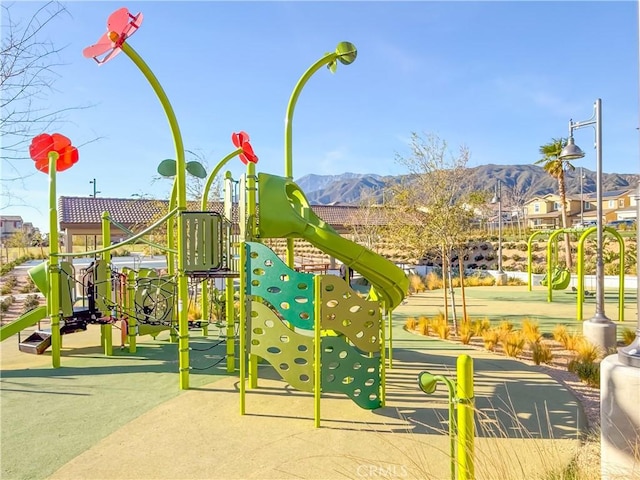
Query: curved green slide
point(285, 213)
point(24, 321)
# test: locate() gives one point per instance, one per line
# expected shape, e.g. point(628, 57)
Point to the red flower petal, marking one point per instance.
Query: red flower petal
point(247, 150)
point(239, 138)
point(40, 147)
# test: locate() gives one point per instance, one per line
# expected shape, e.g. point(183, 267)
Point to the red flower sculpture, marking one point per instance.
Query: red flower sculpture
point(44, 143)
point(241, 140)
point(120, 26)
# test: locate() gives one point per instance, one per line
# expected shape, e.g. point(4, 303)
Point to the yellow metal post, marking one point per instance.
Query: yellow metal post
point(230, 315)
point(54, 271)
point(383, 360)
point(106, 330)
point(465, 423)
point(243, 319)
point(317, 350)
point(131, 320)
point(250, 234)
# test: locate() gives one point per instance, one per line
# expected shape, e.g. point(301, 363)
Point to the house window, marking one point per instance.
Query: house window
point(612, 204)
point(587, 206)
point(556, 205)
point(621, 202)
point(536, 208)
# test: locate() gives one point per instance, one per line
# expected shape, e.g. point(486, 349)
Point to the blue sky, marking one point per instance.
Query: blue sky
point(502, 78)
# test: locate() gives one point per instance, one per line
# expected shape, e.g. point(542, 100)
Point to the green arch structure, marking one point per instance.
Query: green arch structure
point(580, 271)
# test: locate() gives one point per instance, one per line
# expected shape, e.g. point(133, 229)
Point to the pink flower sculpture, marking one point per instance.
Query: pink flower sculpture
point(120, 26)
point(241, 140)
point(44, 143)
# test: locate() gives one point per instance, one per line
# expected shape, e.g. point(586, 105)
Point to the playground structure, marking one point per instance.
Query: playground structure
point(318, 334)
point(559, 278)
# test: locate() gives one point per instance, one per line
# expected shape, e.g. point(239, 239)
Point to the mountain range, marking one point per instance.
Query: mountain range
point(524, 181)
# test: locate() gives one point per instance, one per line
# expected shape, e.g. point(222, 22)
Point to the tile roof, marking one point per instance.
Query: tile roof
point(88, 210)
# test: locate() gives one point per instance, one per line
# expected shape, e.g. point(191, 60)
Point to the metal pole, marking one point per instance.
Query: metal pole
point(465, 423)
point(581, 199)
point(599, 316)
point(499, 226)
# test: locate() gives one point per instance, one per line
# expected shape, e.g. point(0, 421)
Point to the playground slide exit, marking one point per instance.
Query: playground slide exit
point(285, 213)
point(24, 321)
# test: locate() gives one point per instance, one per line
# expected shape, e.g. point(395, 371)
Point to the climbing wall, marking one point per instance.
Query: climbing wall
point(289, 292)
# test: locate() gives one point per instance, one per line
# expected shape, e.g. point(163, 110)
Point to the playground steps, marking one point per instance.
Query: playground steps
point(36, 343)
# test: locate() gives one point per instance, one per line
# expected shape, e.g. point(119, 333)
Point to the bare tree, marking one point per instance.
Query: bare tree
point(433, 209)
point(28, 67)
point(368, 221)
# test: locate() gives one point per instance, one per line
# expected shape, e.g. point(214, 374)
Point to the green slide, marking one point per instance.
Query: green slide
point(24, 321)
point(285, 213)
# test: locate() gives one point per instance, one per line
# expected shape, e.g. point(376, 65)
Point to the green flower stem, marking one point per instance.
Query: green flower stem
point(288, 129)
point(183, 294)
point(203, 204)
point(54, 271)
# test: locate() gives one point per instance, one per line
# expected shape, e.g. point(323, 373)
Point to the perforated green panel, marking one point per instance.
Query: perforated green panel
point(290, 353)
point(290, 292)
point(345, 370)
point(202, 241)
point(344, 311)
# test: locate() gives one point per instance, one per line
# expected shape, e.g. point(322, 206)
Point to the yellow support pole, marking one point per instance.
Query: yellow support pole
point(390, 320)
point(106, 330)
point(230, 315)
point(131, 321)
point(383, 360)
point(465, 423)
point(317, 350)
point(250, 234)
point(243, 319)
point(54, 270)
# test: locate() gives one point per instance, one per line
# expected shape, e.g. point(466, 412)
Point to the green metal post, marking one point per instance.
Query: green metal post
point(465, 423)
point(230, 315)
point(383, 359)
point(106, 330)
point(54, 271)
point(204, 206)
point(250, 234)
point(243, 320)
point(132, 323)
point(317, 350)
point(183, 292)
point(390, 320)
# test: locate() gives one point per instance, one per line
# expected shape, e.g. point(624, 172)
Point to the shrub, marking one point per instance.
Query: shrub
point(466, 331)
point(4, 306)
point(540, 353)
point(560, 334)
point(628, 336)
point(490, 339)
point(194, 312)
point(588, 372)
point(5, 289)
point(504, 328)
point(29, 286)
point(30, 302)
point(522, 247)
point(516, 257)
point(513, 281)
point(411, 324)
point(587, 351)
point(478, 257)
point(484, 246)
point(441, 326)
point(423, 326)
point(531, 330)
point(573, 341)
point(513, 343)
point(433, 281)
point(416, 285)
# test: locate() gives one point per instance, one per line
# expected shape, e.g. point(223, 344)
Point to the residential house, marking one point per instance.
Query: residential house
point(546, 212)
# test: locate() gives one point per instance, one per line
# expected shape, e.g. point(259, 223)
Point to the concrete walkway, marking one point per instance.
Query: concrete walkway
point(124, 417)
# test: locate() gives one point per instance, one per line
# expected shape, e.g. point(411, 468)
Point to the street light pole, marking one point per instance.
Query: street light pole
point(581, 197)
point(497, 198)
point(599, 327)
point(94, 188)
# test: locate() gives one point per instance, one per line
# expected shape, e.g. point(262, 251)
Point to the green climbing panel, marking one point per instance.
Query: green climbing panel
point(290, 353)
point(202, 241)
point(343, 311)
point(288, 291)
point(154, 299)
point(345, 370)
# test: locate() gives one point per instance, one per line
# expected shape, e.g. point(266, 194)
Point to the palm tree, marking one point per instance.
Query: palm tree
point(556, 167)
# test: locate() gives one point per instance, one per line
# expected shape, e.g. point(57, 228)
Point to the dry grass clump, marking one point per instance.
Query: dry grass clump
point(560, 334)
point(490, 339)
point(441, 326)
point(432, 281)
point(531, 330)
point(416, 285)
point(540, 353)
point(628, 336)
point(423, 325)
point(587, 351)
point(467, 331)
point(194, 312)
point(410, 324)
point(513, 343)
point(478, 281)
